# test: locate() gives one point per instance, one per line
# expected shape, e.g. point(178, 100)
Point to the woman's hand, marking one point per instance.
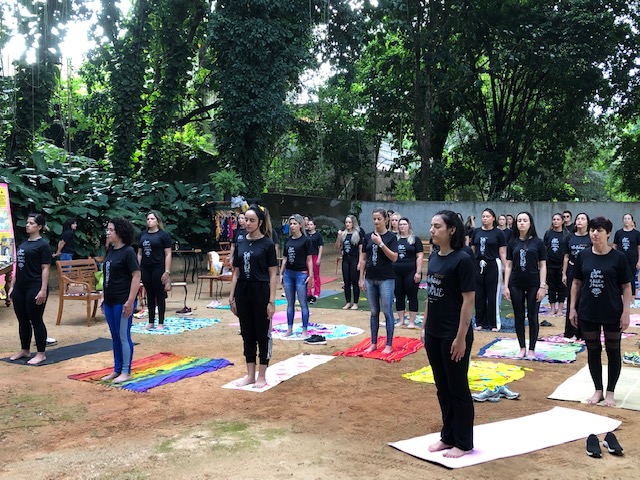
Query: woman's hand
point(573, 318)
point(41, 297)
point(625, 320)
point(165, 278)
point(232, 305)
point(271, 309)
point(458, 348)
point(417, 277)
point(564, 279)
point(541, 293)
point(362, 285)
point(281, 279)
point(506, 292)
point(127, 309)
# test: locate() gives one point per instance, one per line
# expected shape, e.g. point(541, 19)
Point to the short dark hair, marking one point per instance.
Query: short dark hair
point(567, 211)
point(451, 220)
point(124, 229)
point(601, 222)
point(493, 214)
point(67, 223)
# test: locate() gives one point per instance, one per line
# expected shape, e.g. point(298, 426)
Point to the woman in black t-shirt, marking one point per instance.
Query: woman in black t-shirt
point(238, 234)
point(29, 291)
point(317, 245)
point(627, 240)
point(349, 241)
point(447, 333)
point(154, 257)
point(296, 272)
point(121, 273)
point(525, 279)
point(602, 282)
point(408, 271)
point(574, 244)
point(554, 241)
point(379, 251)
point(67, 243)
point(253, 292)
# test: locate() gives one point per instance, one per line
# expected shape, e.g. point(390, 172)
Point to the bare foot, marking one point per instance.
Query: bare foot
point(261, 382)
point(596, 398)
point(609, 401)
point(521, 354)
point(38, 358)
point(109, 377)
point(347, 306)
point(289, 332)
point(304, 333)
point(149, 326)
point(494, 329)
point(531, 355)
point(160, 326)
point(412, 326)
point(387, 350)
point(354, 306)
point(478, 328)
point(123, 377)
point(245, 381)
point(20, 354)
point(455, 452)
point(372, 348)
point(438, 446)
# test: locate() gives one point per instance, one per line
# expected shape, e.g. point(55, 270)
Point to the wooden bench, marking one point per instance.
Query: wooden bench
point(77, 283)
point(215, 257)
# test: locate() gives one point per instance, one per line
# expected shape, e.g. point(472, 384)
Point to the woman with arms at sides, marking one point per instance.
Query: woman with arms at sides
point(602, 282)
point(238, 234)
point(502, 225)
point(253, 292)
point(573, 245)
point(154, 257)
point(525, 280)
point(317, 245)
point(627, 240)
point(554, 241)
point(379, 251)
point(408, 271)
point(30, 289)
point(296, 272)
point(349, 241)
point(121, 284)
point(447, 334)
point(490, 250)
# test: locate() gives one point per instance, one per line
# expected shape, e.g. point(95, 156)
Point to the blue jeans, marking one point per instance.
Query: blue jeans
point(380, 295)
point(294, 284)
point(66, 256)
point(120, 328)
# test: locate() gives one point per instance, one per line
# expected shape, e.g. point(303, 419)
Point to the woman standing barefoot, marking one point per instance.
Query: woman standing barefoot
point(576, 242)
point(447, 333)
point(408, 271)
point(627, 240)
point(554, 242)
point(317, 245)
point(349, 241)
point(30, 290)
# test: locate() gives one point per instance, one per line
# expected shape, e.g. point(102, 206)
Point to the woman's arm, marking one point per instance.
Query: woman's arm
point(139, 256)
point(424, 320)
point(565, 265)
point(507, 275)
point(319, 259)
point(310, 278)
point(127, 309)
point(418, 274)
point(542, 291)
point(62, 243)
point(271, 306)
point(166, 275)
point(459, 345)
point(575, 293)
point(625, 319)
point(234, 281)
point(41, 296)
point(362, 263)
point(503, 257)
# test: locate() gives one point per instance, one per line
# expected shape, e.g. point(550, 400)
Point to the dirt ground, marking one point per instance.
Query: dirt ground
point(332, 422)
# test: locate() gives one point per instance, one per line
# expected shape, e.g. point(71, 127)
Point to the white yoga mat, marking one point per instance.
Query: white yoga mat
point(579, 388)
point(497, 440)
point(281, 371)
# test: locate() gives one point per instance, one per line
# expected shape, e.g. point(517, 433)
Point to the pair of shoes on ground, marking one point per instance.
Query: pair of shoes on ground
point(494, 395)
point(184, 311)
point(631, 358)
point(610, 443)
point(213, 304)
point(315, 340)
point(545, 323)
point(311, 299)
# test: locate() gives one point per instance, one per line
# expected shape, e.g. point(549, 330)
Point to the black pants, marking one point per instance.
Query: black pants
point(612, 336)
point(454, 396)
point(486, 291)
point(350, 277)
point(156, 296)
point(252, 299)
point(30, 316)
point(634, 271)
point(557, 290)
point(570, 330)
point(406, 288)
point(520, 295)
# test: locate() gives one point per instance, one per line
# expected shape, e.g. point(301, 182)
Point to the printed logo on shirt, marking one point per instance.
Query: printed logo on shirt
point(347, 246)
point(20, 258)
point(146, 248)
point(246, 257)
point(374, 255)
point(555, 245)
point(596, 282)
point(483, 245)
point(576, 249)
point(107, 272)
point(523, 259)
point(626, 243)
point(434, 288)
point(291, 255)
point(402, 251)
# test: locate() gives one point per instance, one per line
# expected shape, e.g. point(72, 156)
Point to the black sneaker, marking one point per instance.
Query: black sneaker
point(593, 446)
point(611, 444)
point(312, 299)
point(315, 340)
point(544, 323)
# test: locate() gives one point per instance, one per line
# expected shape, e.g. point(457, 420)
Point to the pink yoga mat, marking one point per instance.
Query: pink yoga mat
point(278, 318)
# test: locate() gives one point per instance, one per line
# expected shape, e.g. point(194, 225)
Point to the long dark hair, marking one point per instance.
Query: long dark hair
point(67, 223)
point(532, 228)
point(493, 214)
point(263, 216)
point(451, 220)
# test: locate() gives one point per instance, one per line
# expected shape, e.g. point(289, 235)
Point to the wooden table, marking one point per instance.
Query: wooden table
point(7, 270)
point(190, 258)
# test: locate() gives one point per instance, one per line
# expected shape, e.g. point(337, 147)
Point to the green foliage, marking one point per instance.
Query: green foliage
point(227, 182)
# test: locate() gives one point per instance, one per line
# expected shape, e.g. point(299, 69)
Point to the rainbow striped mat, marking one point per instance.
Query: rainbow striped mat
point(159, 369)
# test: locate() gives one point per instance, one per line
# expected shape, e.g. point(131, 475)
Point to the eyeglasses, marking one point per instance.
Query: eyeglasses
point(566, 216)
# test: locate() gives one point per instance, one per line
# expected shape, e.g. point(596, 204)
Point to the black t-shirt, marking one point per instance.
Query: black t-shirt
point(555, 244)
point(30, 257)
point(296, 251)
point(238, 235)
point(448, 278)
point(525, 257)
point(316, 242)
point(152, 246)
point(627, 243)
point(573, 245)
point(379, 266)
point(487, 243)
point(69, 239)
point(117, 268)
point(602, 278)
point(253, 259)
point(407, 254)
point(349, 249)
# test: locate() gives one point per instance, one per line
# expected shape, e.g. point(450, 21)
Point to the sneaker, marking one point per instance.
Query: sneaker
point(486, 395)
point(315, 340)
point(312, 299)
point(593, 446)
point(611, 444)
point(545, 323)
point(184, 311)
point(631, 358)
point(51, 342)
point(507, 393)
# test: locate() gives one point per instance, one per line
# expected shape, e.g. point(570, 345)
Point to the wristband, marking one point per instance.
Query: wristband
point(168, 272)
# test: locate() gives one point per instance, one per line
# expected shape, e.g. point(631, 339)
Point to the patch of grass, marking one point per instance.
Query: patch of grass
point(166, 446)
point(23, 410)
point(221, 428)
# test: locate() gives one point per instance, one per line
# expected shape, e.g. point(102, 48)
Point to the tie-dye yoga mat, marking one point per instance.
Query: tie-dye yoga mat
point(159, 369)
point(545, 351)
point(560, 338)
point(402, 346)
point(330, 332)
point(175, 325)
point(481, 374)
point(227, 307)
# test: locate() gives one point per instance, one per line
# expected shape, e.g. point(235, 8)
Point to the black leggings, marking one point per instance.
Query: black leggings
point(350, 277)
point(634, 271)
point(557, 290)
point(252, 299)
point(152, 280)
point(30, 316)
point(486, 291)
point(406, 288)
point(518, 297)
point(612, 336)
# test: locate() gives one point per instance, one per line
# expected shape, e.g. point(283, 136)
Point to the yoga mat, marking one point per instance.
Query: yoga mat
point(324, 280)
point(175, 325)
point(545, 351)
point(335, 300)
point(159, 369)
point(513, 437)
point(278, 302)
point(481, 374)
point(278, 318)
point(402, 346)
point(634, 320)
point(579, 388)
point(284, 370)
point(560, 338)
point(60, 354)
point(330, 332)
